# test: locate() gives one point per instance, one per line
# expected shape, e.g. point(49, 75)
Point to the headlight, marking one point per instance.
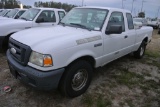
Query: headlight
point(40, 59)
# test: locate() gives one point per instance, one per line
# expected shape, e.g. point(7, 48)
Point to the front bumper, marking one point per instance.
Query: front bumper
point(1, 42)
point(43, 80)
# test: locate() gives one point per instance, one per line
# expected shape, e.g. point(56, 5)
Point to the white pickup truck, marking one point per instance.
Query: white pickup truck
point(15, 14)
point(34, 17)
point(64, 55)
point(154, 23)
point(4, 12)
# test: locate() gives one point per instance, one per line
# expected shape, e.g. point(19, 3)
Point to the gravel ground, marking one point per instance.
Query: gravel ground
point(126, 82)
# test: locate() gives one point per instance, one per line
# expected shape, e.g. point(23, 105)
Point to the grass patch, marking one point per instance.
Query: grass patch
point(157, 64)
point(88, 100)
point(150, 84)
point(130, 103)
point(103, 102)
point(152, 54)
point(127, 78)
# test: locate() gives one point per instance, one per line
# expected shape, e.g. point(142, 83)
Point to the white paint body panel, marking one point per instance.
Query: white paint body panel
point(61, 42)
point(14, 25)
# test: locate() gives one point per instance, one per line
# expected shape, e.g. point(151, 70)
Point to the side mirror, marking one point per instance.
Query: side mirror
point(114, 29)
point(40, 20)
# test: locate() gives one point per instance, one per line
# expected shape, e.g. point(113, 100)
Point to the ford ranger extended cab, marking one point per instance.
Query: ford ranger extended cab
point(65, 55)
point(4, 12)
point(34, 17)
point(15, 14)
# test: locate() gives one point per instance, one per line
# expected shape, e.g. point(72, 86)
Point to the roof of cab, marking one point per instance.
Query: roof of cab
point(48, 8)
point(108, 8)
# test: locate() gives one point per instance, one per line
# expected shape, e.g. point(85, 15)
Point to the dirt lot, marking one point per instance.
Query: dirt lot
point(126, 82)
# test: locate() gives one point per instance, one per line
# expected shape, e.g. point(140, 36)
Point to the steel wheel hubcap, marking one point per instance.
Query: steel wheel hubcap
point(79, 80)
point(142, 51)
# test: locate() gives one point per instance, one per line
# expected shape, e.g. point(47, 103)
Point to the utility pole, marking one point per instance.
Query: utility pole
point(123, 4)
point(132, 5)
point(158, 12)
point(142, 5)
point(82, 3)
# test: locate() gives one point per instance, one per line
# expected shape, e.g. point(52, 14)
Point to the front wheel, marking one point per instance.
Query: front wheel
point(76, 79)
point(141, 50)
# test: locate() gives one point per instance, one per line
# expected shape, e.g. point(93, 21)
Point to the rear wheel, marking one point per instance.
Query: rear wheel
point(76, 79)
point(141, 50)
point(159, 31)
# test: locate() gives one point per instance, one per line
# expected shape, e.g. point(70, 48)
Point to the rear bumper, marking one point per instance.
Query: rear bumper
point(43, 80)
point(1, 42)
point(153, 25)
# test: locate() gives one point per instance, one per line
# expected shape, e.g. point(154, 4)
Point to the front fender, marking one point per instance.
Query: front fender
point(79, 54)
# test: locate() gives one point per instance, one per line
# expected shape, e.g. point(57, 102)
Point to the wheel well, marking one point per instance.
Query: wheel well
point(145, 39)
point(89, 59)
point(7, 37)
point(5, 42)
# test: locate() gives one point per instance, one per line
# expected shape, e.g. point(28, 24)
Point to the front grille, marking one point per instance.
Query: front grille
point(22, 52)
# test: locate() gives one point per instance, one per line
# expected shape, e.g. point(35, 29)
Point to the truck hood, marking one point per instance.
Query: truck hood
point(3, 18)
point(13, 25)
point(12, 22)
point(56, 37)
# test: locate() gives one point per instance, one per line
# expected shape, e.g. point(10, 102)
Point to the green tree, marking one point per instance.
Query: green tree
point(141, 14)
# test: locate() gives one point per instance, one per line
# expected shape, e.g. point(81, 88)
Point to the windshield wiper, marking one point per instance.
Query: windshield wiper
point(23, 18)
point(82, 26)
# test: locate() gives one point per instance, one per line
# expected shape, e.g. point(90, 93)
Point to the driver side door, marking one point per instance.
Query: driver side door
point(45, 18)
point(113, 42)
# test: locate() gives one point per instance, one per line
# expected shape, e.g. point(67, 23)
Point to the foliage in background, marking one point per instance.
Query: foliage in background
point(141, 14)
point(52, 4)
point(10, 4)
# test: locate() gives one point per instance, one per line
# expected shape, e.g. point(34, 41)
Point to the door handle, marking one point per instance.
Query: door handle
point(125, 37)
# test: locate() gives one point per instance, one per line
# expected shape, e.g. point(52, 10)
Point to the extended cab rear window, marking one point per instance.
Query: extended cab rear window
point(61, 14)
point(130, 21)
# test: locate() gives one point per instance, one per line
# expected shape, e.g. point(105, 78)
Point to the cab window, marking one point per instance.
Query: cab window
point(19, 14)
point(116, 18)
point(48, 16)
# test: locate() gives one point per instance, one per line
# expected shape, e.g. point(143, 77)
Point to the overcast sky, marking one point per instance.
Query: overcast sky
point(150, 6)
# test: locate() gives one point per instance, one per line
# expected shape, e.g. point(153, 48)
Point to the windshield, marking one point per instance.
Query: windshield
point(3, 12)
point(12, 13)
point(30, 14)
point(87, 18)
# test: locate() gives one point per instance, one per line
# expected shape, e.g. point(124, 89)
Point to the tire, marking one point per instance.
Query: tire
point(159, 31)
point(141, 50)
point(73, 75)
